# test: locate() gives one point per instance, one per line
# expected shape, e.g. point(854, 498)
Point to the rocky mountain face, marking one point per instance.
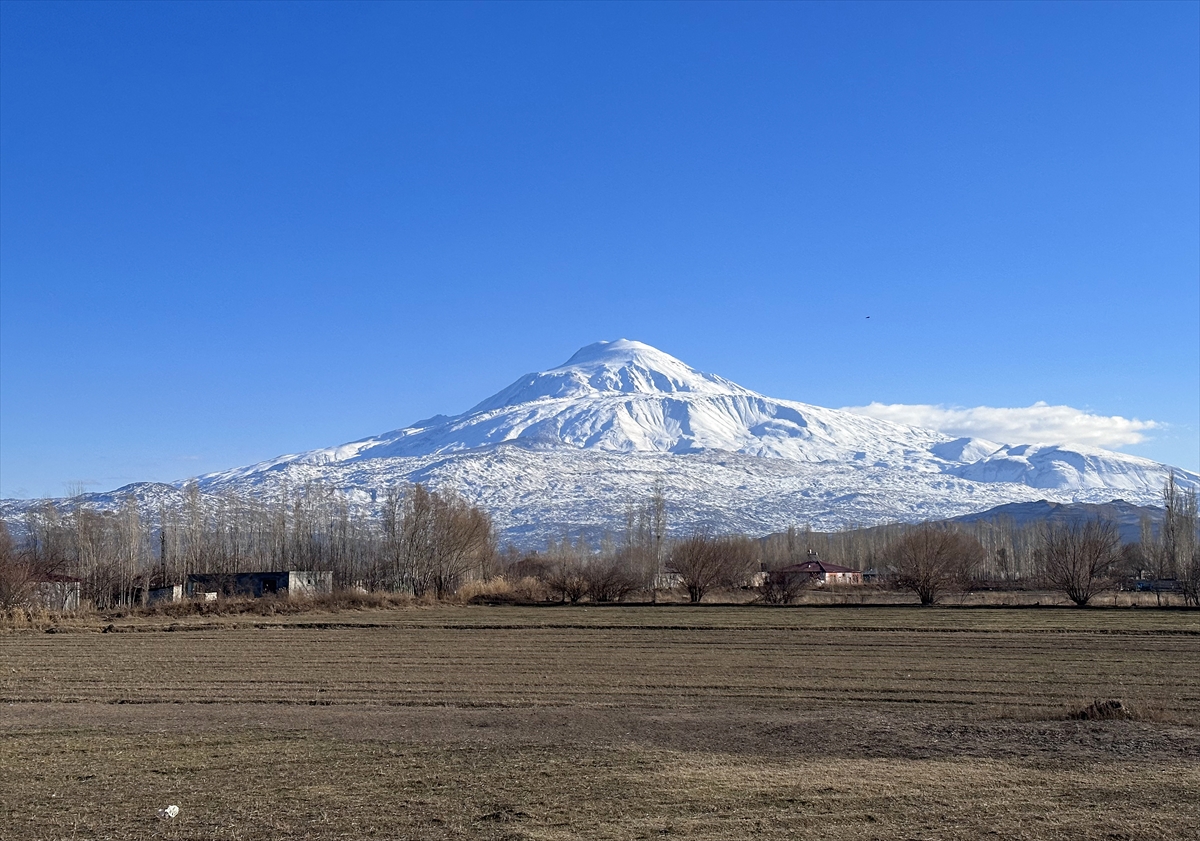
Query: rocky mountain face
point(571, 448)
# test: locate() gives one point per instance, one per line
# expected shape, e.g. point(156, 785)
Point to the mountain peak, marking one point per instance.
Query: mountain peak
point(618, 368)
point(621, 349)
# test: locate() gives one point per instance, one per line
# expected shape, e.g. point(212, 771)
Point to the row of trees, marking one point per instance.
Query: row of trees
point(1078, 559)
point(1012, 553)
point(420, 541)
point(1173, 550)
point(697, 564)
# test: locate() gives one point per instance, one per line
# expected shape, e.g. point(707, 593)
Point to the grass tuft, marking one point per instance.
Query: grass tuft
point(1110, 709)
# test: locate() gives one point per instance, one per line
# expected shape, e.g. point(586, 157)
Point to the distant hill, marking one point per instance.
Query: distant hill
point(1126, 515)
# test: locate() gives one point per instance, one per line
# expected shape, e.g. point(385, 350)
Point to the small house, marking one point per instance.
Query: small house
point(817, 572)
point(667, 581)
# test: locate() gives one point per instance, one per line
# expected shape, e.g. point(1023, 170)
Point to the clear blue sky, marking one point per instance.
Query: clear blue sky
point(230, 231)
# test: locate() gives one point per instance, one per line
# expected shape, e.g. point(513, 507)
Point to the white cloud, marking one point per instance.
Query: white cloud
point(1040, 423)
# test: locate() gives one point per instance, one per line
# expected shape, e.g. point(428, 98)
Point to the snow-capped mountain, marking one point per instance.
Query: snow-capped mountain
point(570, 448)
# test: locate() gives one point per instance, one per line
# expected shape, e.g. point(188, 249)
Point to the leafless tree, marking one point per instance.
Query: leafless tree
point(16, 573)
point(1079, 557)
point(644, 540)
point(704, 563)
point(1181, 533)
point(442, 538)
point(777, 588)
point(933, 560)
point(466, 542)
point(565, 573)
point(612, 576)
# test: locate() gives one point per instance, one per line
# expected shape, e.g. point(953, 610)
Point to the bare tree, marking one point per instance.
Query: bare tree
point(642, 546)
point(464, 542)
point(1191, 579)
point(705, 563)
point(657, 522)
point(16, 573)
point(1079, 557)
point(388, 570)
point(932, 560)
point(781, 588)
point(612, 576)
point(565, 575)
point(441, 539)
point(133, 550)
point(1186, 534)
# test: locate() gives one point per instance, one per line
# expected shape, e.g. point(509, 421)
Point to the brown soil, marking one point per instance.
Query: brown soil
point(606, 723)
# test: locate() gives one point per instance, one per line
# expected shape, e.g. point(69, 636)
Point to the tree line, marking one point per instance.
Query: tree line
point(418, 541)
point(1079, 559)
point(426, 542)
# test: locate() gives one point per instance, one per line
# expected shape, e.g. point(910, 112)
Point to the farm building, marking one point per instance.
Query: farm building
point(56, 592)
point(291, 583)
point(169, 593)
point(818, 572)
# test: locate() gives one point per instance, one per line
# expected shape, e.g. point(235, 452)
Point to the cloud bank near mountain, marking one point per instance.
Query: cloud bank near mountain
point(1040, 422)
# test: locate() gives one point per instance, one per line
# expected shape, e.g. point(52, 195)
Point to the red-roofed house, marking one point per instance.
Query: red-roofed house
point(817, 572)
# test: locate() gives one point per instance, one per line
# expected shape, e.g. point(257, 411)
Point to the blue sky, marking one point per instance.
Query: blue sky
point(230, 231)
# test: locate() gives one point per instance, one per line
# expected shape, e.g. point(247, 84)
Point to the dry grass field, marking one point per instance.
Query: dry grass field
point(605, 723)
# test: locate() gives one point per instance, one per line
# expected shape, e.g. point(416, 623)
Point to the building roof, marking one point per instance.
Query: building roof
point(816, 567)
point(274, 573)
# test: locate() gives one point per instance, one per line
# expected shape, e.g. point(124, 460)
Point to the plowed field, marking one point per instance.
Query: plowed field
point(573, 723)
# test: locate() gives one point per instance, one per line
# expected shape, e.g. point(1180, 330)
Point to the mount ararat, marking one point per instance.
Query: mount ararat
point(571, 448)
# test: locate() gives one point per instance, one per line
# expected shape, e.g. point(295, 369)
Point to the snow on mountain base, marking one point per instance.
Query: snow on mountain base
point(536, 494)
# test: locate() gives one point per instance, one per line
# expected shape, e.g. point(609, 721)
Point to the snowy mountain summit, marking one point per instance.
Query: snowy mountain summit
point(612, 368)
point(570, 448)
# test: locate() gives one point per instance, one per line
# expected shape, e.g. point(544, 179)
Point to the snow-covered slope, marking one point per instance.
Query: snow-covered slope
point(570, 448)
point(628, 397)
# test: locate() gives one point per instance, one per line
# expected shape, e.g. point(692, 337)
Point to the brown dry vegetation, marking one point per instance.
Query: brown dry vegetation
point(615, 722)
